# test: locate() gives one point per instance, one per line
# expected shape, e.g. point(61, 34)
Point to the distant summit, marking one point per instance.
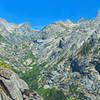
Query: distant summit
point(98, 14)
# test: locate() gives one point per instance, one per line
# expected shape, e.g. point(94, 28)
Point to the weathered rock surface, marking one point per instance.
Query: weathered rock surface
point(13, 88)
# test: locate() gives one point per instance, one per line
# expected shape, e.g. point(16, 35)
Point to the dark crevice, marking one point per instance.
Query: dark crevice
point(97, 65)
point(1, 97)
point(60, 44)
point(27, 92)
point(75, 66)
point(4, 77)
point(5, 89)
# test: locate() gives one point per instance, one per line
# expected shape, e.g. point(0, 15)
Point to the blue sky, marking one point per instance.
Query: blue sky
point(42, 12)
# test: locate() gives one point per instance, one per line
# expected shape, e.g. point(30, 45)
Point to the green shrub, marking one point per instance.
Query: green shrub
point(51, 94)
point(3, 64)
point(72, 99)
point(31, 76)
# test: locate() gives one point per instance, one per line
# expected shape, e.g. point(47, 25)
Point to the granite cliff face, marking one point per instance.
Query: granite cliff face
point(14, 88)
point(63, 55)
point(75, 68)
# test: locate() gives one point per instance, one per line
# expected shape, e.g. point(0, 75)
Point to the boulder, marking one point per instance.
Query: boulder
point(14, 88)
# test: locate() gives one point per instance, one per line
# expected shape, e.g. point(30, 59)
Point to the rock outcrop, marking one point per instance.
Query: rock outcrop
point(13, 88)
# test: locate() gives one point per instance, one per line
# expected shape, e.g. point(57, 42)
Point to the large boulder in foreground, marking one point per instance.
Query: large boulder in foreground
point(13, 88)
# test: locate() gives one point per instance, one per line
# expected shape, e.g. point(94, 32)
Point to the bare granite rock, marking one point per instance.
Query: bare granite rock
point(13, 88)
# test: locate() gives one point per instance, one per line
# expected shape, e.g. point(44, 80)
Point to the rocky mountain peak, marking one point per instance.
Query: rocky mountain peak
point(68, 21)
point(24, 28)
point(6, 27)
point(26, 24)
point(80, 20)
point(98, 14)
point(2, 20)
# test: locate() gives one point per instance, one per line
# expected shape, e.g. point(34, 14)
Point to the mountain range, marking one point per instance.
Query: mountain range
point(63, 55)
